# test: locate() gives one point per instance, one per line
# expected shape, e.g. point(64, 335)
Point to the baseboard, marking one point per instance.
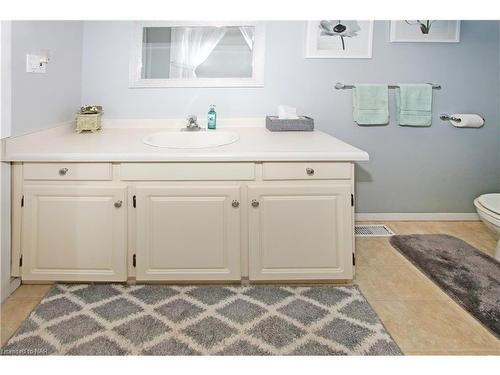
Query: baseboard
point(438, 216)
point(9, 288)
point(15, 282)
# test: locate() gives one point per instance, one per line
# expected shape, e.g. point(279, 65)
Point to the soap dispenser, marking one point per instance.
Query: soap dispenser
point(212, 117)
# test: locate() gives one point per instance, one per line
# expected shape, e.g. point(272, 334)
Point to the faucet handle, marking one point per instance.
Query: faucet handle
point(192, 119)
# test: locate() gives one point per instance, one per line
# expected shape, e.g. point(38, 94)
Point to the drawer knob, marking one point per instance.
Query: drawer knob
point(118, 204)
point(63, 171)
point(235, 204)
point(255, 203)
point(310, 171)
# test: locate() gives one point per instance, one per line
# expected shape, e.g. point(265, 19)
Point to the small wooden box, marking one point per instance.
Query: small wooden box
point(90, 122)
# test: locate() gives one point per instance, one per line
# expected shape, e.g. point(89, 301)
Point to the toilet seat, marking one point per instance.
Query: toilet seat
point(491, 202)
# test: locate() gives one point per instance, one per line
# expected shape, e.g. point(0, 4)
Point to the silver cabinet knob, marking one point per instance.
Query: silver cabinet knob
point(63, 171)
point(118, 204)
point(310, 171)
point(235, 204)
point(255, 203)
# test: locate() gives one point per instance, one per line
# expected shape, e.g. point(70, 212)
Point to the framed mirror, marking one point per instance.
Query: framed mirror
point(197, 54)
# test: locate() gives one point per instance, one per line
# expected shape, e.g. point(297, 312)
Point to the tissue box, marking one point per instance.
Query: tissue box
point(303, 123)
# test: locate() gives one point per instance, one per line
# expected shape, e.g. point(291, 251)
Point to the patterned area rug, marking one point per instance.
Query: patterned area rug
point(466, 274)
point(112, 319)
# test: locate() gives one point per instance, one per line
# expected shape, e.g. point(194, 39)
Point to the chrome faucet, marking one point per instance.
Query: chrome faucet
point(192, 124)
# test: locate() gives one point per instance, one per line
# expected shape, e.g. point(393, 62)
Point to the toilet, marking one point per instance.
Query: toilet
point(488, 209)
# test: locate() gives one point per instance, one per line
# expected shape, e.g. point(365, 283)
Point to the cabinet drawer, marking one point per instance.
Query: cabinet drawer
point(187, 171)
point(68, 171)
point(306, 171)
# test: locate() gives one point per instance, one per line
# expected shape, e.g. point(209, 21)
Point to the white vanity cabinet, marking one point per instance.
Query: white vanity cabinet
point(188, 232)
point(74, 233)
point(300, 232)
point(183, 221)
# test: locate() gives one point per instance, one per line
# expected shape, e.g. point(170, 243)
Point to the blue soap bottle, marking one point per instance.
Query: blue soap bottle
point(212, 117)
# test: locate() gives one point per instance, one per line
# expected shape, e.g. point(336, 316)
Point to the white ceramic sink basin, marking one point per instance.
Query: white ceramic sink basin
point(185, 139)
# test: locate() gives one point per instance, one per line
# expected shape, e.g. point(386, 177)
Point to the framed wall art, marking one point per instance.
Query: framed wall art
point(339, 39)
point(437, 31)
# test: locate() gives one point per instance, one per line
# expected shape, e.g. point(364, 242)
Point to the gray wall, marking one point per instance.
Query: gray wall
point(41, 101)
point(5, 182)
point(436, 169)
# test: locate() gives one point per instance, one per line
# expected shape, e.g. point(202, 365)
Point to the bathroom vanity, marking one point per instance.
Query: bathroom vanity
point(107, 207)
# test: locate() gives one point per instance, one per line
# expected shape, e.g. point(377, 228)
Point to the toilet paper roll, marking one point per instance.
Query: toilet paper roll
point(467, 120)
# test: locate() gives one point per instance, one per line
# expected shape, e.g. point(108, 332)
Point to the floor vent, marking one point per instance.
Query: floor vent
point(373, 230)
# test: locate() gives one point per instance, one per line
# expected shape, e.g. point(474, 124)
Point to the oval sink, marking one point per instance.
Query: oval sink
point(201, 139)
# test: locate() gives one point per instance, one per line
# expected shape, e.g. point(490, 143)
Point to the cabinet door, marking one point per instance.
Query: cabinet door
point(74, 233)
point(300, 232)
point(188, 233)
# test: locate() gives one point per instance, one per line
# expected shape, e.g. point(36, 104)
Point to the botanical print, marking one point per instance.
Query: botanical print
point(339, 39)
point(425, 26)
point(425, 31)
point(341, 29)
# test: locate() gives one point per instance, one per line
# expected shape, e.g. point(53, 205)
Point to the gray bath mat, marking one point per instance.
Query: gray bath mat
point(107, 319)
point(467, 275)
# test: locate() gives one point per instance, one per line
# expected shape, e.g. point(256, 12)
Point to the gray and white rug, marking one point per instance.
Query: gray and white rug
point(113, 319)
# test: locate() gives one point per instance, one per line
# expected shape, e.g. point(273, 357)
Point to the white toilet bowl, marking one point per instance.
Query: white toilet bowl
point(488, 209)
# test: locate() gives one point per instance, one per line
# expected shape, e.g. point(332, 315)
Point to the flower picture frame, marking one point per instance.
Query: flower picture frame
point(339, 39)
point(421, 31)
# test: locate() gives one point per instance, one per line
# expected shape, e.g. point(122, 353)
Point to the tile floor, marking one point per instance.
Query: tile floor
point(422, 319)
point(418, 314)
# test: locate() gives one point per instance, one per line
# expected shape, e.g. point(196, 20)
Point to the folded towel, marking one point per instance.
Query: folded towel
point(370, 104)
point(414, 104)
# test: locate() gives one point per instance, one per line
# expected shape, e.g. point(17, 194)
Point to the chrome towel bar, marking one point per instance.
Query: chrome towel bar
point(341, 86)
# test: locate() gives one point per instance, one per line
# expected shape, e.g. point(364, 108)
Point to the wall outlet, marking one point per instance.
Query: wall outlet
point(35, 64)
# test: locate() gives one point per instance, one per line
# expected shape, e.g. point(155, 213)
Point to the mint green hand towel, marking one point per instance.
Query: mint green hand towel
point(414, 104)
point(370, 104)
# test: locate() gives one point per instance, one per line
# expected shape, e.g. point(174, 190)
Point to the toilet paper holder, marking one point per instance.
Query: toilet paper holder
point(446, 117)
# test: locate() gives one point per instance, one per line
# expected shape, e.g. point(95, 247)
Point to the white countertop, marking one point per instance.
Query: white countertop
point(121, 140)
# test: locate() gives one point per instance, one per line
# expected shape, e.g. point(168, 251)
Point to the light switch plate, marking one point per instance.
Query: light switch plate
point(33, 64)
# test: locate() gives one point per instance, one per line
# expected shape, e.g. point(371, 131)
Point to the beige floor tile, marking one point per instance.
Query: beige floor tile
point(396, 283)
point(412, 227)
point(377, 252)
point(454, 352)
point(15, 310)
point(7, 330)
point(31, 291)
point(432, 326)
point(420, 316)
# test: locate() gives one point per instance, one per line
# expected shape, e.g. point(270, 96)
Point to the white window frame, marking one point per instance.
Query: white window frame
point(258, 56)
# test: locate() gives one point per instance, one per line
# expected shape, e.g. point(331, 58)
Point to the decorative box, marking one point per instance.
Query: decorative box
point(88, 122)
point(89, 118)
point(303, 123)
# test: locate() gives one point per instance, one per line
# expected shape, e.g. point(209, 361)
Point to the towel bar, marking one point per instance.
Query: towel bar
point(341, 86)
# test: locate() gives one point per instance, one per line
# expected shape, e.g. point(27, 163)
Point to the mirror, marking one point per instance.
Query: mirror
point(214, 55)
